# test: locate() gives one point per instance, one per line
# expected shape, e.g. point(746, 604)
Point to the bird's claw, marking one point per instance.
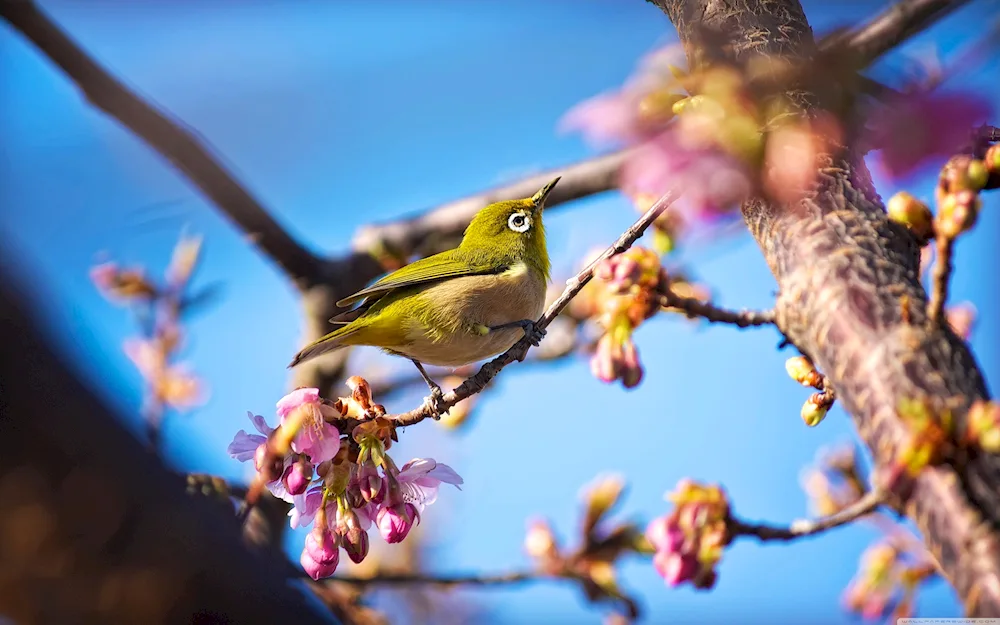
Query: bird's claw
point(533, 333)
point(435, 402)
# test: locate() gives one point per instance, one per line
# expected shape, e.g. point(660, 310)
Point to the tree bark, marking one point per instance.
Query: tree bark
point(850, 298)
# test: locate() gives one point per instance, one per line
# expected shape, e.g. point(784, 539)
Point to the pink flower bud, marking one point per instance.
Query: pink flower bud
point(605, 270)
point(395, 522)
point(298, 476)
point(627, 273)
point(356, 544)
point(604, 362)
point(631, 372)
point(369, 482)
point(665, 534)
point(675, 568)
point(322, 546)
point(314, 569)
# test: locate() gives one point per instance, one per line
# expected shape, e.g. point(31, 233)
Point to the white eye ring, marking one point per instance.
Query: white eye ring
point(519, 222)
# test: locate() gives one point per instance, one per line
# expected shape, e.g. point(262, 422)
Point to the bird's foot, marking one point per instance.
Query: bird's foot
point(435, 402)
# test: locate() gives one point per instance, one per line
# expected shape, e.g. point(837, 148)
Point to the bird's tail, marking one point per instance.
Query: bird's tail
point(329, 343)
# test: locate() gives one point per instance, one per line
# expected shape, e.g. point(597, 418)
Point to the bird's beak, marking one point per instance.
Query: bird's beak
point(538, 199)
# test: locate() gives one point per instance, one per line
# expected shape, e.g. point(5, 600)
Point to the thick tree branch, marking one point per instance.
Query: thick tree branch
point(864, 506)
point(417, 234)
point(95, 528)
point(851, 299)
point(574, 285)
point(174, 142)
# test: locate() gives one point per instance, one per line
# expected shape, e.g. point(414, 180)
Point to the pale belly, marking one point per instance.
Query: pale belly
point(451, 336)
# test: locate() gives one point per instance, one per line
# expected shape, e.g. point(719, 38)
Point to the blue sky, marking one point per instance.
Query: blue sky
point(338, 113)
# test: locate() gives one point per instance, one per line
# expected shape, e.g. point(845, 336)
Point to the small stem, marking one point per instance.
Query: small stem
point(695, 308)
point(864, 506)
point(940, 279)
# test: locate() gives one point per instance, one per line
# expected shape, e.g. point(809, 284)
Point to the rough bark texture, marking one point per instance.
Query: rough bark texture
point(850, 298)
point(93, 528)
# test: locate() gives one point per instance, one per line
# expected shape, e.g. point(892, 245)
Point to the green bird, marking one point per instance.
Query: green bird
point(460, 306)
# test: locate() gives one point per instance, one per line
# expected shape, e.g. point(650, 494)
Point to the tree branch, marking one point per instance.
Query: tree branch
point(105, 532)
point(695, 308)
point(415, 234)
point(897, 24)
point(174, 142)
point(845, 276)
point(488, 371)
point(397, 579)
point(864, 506)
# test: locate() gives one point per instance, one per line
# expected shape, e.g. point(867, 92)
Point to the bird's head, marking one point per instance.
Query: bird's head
point(511, 230)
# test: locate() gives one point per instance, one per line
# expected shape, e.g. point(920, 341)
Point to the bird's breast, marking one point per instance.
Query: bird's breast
point(447, 334)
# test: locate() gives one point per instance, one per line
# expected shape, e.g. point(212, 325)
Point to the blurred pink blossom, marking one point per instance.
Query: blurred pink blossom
point(316, 438)
point(913, 131)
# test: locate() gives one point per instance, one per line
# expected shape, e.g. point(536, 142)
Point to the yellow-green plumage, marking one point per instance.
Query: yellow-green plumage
point(439, 310)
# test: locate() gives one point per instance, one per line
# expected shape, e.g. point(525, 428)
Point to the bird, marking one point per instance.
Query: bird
point(459, 306)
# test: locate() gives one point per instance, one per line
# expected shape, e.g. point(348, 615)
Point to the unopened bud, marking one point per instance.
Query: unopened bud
point(814, 410)
point(298, 476)
point(657, 107)
point(801, 370)
point(984, 425)
point(958, 213)
point(910, 212)
point(539, 541)
point(977, 175)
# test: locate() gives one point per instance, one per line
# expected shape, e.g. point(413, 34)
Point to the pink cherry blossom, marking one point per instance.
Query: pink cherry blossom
point(244, 445)
point(665, 534)
point(675, 568)
point(920, 128)
point(304, 507)
point(420, 478)
point(316, 438)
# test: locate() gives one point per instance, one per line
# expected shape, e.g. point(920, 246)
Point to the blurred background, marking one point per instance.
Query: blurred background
point(337, 114)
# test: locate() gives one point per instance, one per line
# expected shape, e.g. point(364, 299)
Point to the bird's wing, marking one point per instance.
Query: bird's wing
point(430, 269)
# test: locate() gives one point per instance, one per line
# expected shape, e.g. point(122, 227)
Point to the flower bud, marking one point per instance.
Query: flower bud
point(321, 546)
point(984, 425)
point(657, 107)
point(604, 362)
point(801, 370)
point(395, 522)
point(813, 412)
point(665, 534)
point(957, 213)
point(631, 368)
point(908, 211)
point(977, 175)
point(539, 541)
point(269, 467)
point(369, 482)
point(317, 570)
point(298, 476)
point(675, 568)
point(356, 544)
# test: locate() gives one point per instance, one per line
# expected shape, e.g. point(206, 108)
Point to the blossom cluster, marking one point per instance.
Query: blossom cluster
point(159, 305)
point(689, 540)
point(342, 486)
point(627, 289)
point(886, 583)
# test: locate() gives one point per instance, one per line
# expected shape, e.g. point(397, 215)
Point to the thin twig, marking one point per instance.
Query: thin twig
point(940, 278)
point(177, 144)
point(895, 25)
point(695, 308)
point(488, 371)
point(864, 506)
point(396, 579)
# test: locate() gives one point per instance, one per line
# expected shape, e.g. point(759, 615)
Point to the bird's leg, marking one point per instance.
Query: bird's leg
point(433, 401)
point(531, 330)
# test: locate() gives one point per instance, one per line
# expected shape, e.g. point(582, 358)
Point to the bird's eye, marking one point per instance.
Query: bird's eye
point(519, 222)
